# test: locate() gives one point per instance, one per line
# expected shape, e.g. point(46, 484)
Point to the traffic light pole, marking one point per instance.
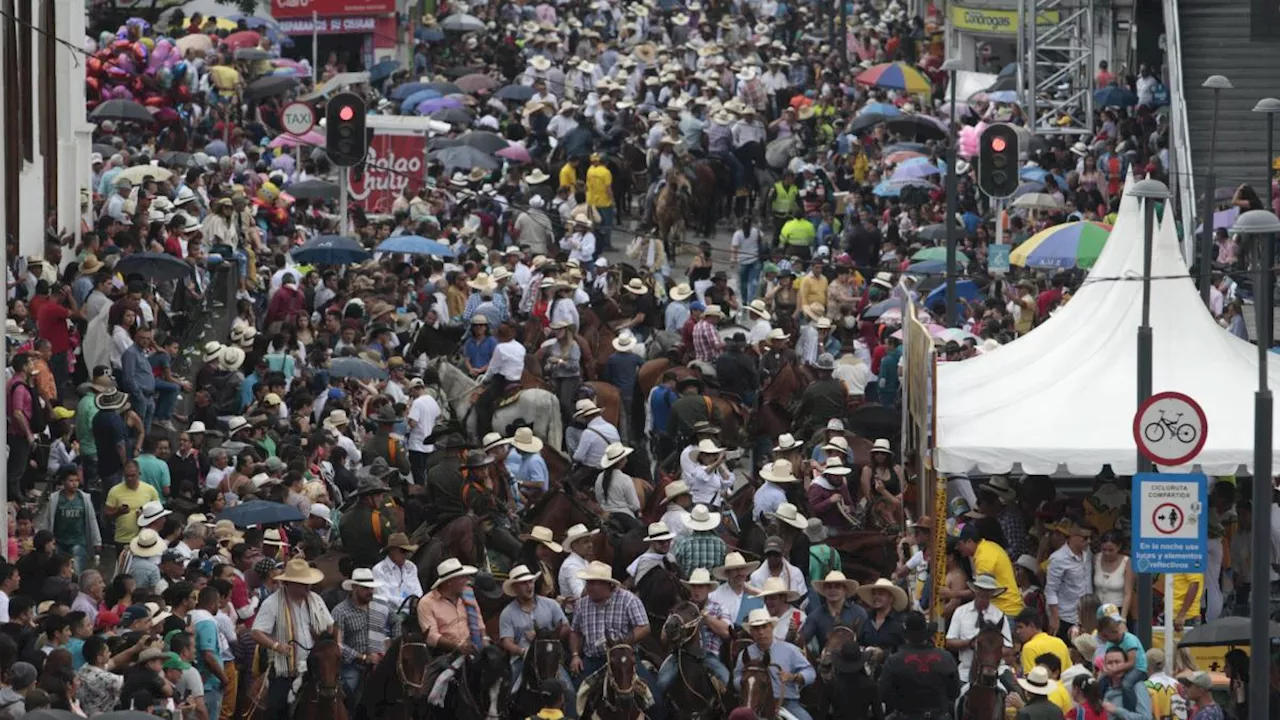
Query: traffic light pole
point(344, 216)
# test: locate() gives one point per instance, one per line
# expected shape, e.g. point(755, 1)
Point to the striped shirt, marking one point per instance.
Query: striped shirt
point(367, 629)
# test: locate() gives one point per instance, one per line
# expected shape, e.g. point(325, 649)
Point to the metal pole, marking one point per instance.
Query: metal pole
point(342, 201)
point(844, 32)
point(1023, 94)
point(1270, 153)
point(1206, 239)
point(4, 417)
point(1145, 595)
point(315, 48)
point(1260, 594)
point(1268, 288)
point(953, 311)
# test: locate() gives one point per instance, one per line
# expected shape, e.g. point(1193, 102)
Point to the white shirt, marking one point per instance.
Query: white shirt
point(1216, 299)
point(622, 497)
point(4, 607)
point(782, 628)
point(706, 485)
point(507, 361)
point(398, 581)
point(768, 497)
point(570, 584)
point(759, 331)
point(647, 561)
point(595, 439)
point(728, 599)
point(581, 246)
point(964, 626)
point(675, 519)
point(423, 414)
point(791, 576)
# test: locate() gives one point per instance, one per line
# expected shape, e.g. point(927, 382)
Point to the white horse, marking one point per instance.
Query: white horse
point(540, 408)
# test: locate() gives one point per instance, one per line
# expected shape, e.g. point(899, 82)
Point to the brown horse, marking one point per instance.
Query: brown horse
point(985, 697)
point(321, 696)
point(756, 687)
point(541, 662)
point(618, 693)
point(674, 200)
point(462, 537)
point(694, 694)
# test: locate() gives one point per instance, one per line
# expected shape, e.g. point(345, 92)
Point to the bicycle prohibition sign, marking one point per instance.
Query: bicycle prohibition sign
point(1170, 429)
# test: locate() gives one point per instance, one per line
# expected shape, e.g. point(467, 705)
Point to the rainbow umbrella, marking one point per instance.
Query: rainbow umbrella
point(896, 76)
point(1074, 244)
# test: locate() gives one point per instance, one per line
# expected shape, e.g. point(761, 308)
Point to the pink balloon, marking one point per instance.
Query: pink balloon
point(969, 136)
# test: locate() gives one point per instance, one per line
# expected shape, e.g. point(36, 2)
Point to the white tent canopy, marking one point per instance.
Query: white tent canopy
point(1062, 398)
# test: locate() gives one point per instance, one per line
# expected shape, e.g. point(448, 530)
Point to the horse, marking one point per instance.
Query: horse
point(320, 695)
point(541, 662)
point(710, 188)
point(539, 408)
point(461, 537)
point(694, 694)
point(618, 692)
point(984, 699)
point(669, 211)
point(756, 687)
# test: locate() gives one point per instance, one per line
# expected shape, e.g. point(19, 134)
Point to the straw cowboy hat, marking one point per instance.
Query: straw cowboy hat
point(759, 617)
point(338, 418)
point(361, 577)
point(774, 586)
point(998, 485)
point(636, 286)
point(586, 408)
point(519, 574)
point(776, 334)
point(883, 279)
point(232, 358)
point(272, 537)
point(400, 540)
point(675, 489)
point(537, 177)
point(988, 583)
point(483, 283)
point(788, 514)
point(645, 53)
point(525, 441)
point(835, 577)
point(541, 63)
point(615, 454)
point(700, 576)
point(450, 569)
point(624, 342)
point(707, 446)
point(212, 351)
point(882, 446)
point(680, 292)
point(734, 561)
point(787, 441)
point(576, 533)
point(298, 571)
point(700, 519)
point(540, 534)
point(152, 512)
point(659, 532)
point(899, 595)
point(758, 309)
point(778, 471)
point(148, 543)
point(1038, 682)
point(597, 571)
point(835, 466)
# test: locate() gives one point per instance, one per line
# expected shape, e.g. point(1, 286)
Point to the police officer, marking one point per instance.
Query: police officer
point(920, 681)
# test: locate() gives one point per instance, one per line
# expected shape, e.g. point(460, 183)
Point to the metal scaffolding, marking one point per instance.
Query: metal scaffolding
point(1056, 65)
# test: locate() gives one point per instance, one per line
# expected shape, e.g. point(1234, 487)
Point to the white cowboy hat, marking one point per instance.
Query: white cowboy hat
point(774, 586)
point(758, 309)
point(615, 454)
point(450, 569)
point(543, 535)
point(776, 334)
point(624, 342)
point(271, 536)
point(525, 441)
point(494, 440)
point(518, 574)
point(700, 518)
point(318, 510)
point(338, 418)
point(734, 561)
point(298, 571)
point(1038, 682)
point(212, 350)
point(835, 577)
point(988, 583)
point(541, 63)
point(483, 282)
point(586, 408)
point(576, 533)
point(759, 617)
point(778, 471)
point(680, 292)
point(362, 577)
point(232, 358)
point(788, 514)
point(835, 466)
point(700, 576)
point(537, 177)
point(596, 570)
point(500, 273)
point(837, 443)
point(713, 311)
point(151, 512)
point(675, 489)
point(787, 441)
point(883, 279)
point(709, 447)
point(148, 543)
point(636, 286)
point(882, 445)
point(899, 595)
point(659, 532)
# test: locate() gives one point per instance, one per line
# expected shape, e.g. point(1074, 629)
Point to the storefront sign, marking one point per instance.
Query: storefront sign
point(303, 26)
point(394, 162)
point(329, 8)
point(993, 22)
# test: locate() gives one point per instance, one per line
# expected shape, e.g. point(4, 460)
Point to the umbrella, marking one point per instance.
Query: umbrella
point(154, 266)
point(476, 83)
point(453, 116)
point(879, 108)
point(416, 98)
point(314, 190)
point(1222, 218)
point(966, 290)
point(140, 173)
point(866, 121)
point(517, 93)
point(400, 92)
point(939, 253)
point(914, 171)
point(894, 187)
point(176, 158)
point(428, 35)
point(1028, 187)
point(928, 267)
point(901, 156)
point(920, 127)
point(1003, 96)
point(331, 250)
point(124, 110)
point(383, 70)
point(896, 76)
point(484, 140)
point(356, 368)
point(1114, 96)
point(445, 103)
point(1035, 174)
point(51, 714)
point(242, 39)
point(287, 140)
point(438, 143)
point(1074, 244)
point(515, 152)
point(938, 232)
point(444, 88)
point(1226, 631)
point(258, 512)
point(464, 157)
point(1037, 201)
point(914, 147)
point(462, 22)
point(198, 43)
point(874, 420)
point(252, 54)
point(1004, 82)
point(459, 71)
point(269, 86)
point(107, 151)
point(415, 245)
point(1010, 69)
point(880, 308)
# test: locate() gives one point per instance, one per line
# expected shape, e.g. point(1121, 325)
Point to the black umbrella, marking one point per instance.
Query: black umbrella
point(107, 151)
point(260, 512)
point(1227, 631)
point(252, 54)
point(269, 86)
point(484, 140)
point(865, 122)
point(442, 142)
point(123, 110)
point(874, 420)
point(331, 250)
point(918, 127)
point(518, 93)
point(464, 157)
point(155, 266)
point(176, 158)
point(938, 232)
point(453, 116)
point(444, 88)
point(357, 368)
point(314, 190)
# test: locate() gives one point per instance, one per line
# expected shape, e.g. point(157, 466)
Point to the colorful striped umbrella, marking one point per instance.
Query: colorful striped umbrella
point(896, 76)
point(1075, 244)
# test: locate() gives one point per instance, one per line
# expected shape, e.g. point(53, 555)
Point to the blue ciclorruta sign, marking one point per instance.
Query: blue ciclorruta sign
point(1170, 522)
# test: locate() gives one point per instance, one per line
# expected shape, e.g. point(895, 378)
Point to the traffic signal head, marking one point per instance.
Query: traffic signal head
point(998, 161)
point(345, 138)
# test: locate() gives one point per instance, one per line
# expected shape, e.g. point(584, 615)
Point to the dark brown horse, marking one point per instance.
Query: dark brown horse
point(619, 693)
point(756, 688)
point(985, 697)
point(541, 662)
point(320, 697)
point(694, 694)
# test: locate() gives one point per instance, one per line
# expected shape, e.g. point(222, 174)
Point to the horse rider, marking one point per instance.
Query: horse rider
point(287, 624)
point(708, 478)
point(365, 528)
point(776, 355)
point(733, 594)
point(608, 615)
point(579, 543)
point(966, 624)
point(830, 499)
point(443, 616)
point(523, 619)
point(778, 599)
point(825, 398)
point(837, 607)
point(677, 501)
point(479, 498)
point(396, 574)
point(714, 627)
point(366, 624)
point(920, 681)
point(386, 445)
point(771, 495)
point(788, 668)
point(703, 547)
point(597, 436)
point(505, 367)
point(659, 539)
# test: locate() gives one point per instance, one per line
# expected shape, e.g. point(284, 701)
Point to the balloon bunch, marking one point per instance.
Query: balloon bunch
point(132, 65)
point(969, 137)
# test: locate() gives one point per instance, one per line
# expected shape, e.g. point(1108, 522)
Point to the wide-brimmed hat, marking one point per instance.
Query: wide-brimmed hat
point(790, 515)
point(586, 408)
point(212, 351)
point(1038, 682)
point(231, 358)
point(299, 571)
point(362, 577)
point(537, 177)
point(636, 286)
point(776, 334)
point(614, 454)
point(113, 400)
point(624, 342)
point(525, 441)
point(778, 471)
point(998, 485)
point(659, 532)
point(151, 512)
point(675, 489)
point(825, 361)
point(835, 577)
point(148, 543)
point(680, 292)
point(483, 282)
point(774, 586)
point(701, 518)
point(400, 540)
point(734, 561)
point(543, 535)
point(759, 617)
point(813, 311)
point(707, 446)
point(576, 533)
point(338, 418)
point(835, 466)
point(371, 485)
point(899, 595)
point(699, 576)
point(596, 570)
point(452, 568)
point(882, 446)
point(518, 574)
point(757, 308)
point(988, 583)
point(883, 279)
point(787, 441)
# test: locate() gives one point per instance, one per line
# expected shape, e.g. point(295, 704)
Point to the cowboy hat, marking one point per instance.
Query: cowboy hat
point(113, 400)
point(774, 586)
point(645, 53)
point(151, 512)
point(778, 471)
point(700, 576)
point(543, 535)
point(881, 445)
point(400, 540)
point(597, 571)
point(709, 447)
point(825, 361)
point(776, 334)
point(338, 418)
point(700, 519)
point(713, 311)
point(271, 536)
point(525, 441)
point(518, 574)
point(624, 342)
point(371, 485)
point(987, 583)
point(1038, 682)
point(759, 617)
point(586, 408)
point(788, 514)
point(452, 568)
point(675, 489)
point(758, 309)
point(899, 595)
point(231, 358)
point(835, 577)
point(362, 577)
point(998, 485)
point(298, 571)
point(835, 466)
point(614, 454)
point(636, 286)
point(680, 292)
point(734, 561)
point(537, 177)
point(148, 543)
point(576, 533)
point(814, 310)
point(541, 63)
point(494, 440)
point(483, 282)
point(659, 532)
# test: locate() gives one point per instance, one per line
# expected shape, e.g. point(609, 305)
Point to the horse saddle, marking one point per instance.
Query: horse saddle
point(510, 394)
point(591, 693)
point(440, 674)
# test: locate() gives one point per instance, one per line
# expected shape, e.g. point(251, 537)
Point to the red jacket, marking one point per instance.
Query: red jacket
point(286, 305)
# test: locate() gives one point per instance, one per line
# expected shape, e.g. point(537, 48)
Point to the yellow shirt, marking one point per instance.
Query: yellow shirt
point(127, 522)
point(812, 289)
point(1043, 644)
point(1061, 697)
point(991, 559)
point(568, 176)
point(599, 182)
point(1181, 584)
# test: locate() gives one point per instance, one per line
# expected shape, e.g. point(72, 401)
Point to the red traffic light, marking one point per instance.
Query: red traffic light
point(998, 144)
point(346, 112)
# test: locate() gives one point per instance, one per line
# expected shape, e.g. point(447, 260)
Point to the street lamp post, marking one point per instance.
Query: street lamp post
point(1270, 106)
point(953, 311)
point(1150, 192)
point(1217, 83)
point(1264, 226)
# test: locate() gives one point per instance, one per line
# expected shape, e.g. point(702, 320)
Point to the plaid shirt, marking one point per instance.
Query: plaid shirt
point(599, 624)
point(703, 549)
point(719, 138)
point(1014, 526)
point(498, 301)
point(365, 630)
point(710, 641)
point(707, 345)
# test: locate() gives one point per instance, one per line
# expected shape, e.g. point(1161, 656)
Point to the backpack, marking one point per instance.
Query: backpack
point(39, 411)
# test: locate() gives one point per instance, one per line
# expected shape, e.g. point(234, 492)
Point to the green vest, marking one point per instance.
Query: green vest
point(784, 199)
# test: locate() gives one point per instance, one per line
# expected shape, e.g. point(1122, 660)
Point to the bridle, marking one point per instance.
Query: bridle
point(612, 692)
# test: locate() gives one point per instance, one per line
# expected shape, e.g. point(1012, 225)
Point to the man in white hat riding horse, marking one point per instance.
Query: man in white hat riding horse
point(287, 625)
